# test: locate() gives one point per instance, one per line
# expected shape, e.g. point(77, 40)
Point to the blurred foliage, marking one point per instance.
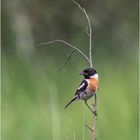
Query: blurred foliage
point(34, 91)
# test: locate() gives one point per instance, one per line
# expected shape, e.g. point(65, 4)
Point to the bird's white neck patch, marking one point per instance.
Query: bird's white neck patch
point(94, 76)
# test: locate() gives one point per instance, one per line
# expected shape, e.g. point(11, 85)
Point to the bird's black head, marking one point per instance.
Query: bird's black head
point(88, 72)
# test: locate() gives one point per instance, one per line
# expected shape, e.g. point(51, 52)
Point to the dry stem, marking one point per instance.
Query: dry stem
point(89, 33)
point(88, 58)
point(66, 61)
point(72, 46)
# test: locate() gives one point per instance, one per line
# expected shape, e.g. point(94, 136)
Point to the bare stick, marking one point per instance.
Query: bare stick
point(89, 33)
point(72, 46)
point(92, 131)
point(88, 106)
point(66, 61)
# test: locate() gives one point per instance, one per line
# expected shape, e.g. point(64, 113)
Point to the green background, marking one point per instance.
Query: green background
point(35, 91)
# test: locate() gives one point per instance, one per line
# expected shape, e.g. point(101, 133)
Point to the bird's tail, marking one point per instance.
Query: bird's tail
point(71, 101)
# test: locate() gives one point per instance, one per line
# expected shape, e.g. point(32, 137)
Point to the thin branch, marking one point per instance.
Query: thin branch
point(92, 131)
point(68, 59)
point(90, 32)
point(72, 46)
point(89, 127)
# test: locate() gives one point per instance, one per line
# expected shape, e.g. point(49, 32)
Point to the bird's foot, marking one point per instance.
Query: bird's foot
point(95, 113)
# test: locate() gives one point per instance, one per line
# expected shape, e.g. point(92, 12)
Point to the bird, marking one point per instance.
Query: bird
point(87, 88)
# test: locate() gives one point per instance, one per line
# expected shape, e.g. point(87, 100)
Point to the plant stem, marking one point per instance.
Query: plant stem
point(72, 46)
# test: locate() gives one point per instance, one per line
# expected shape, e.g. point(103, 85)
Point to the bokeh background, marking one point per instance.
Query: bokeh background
point(35, 91)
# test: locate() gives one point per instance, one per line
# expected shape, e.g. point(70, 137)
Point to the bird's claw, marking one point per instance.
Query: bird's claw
point(95, 113)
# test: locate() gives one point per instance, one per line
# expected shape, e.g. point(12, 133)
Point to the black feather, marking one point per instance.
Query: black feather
point(79, 90)
point(71, 101)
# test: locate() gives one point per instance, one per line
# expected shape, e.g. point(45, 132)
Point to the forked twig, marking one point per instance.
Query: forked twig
point(66, 61)
point(89, 34)
point(68, 44)
point(89, 127)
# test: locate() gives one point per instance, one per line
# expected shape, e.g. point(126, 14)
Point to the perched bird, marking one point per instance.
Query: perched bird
point(87, 88)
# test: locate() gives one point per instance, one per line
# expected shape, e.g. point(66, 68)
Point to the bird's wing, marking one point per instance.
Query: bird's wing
point(81, 87)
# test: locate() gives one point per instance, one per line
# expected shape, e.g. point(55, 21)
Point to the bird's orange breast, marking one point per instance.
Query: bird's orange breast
point(93, 84)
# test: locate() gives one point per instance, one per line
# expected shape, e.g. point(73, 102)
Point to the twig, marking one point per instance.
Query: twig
point(72, 46)
point(88, 127)
point(66, 61)
point(92, 131)
point(90, 32)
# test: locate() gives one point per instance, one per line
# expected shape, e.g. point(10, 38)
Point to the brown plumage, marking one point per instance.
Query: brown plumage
point(93, 84)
